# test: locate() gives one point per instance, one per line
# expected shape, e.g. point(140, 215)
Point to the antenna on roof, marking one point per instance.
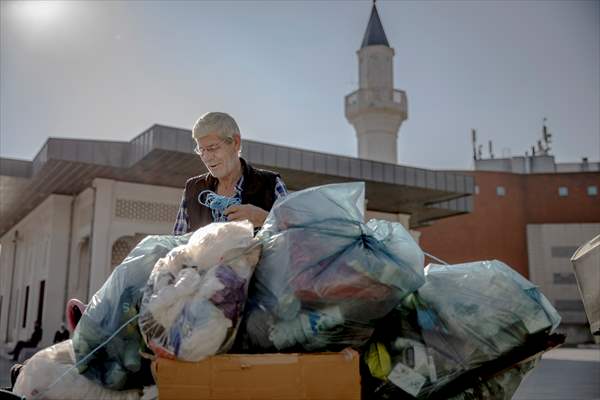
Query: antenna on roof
point(474, 142)
point(546, 137)
point(490, 149)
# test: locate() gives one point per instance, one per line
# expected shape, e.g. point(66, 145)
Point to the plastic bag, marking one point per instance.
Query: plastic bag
point(500, 387)
point(325, 276)
point(464, 315)
point(119, 365)
point(196, 294)
point(47, 365)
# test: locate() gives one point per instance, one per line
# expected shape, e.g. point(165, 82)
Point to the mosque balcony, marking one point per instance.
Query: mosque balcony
point(390, 100)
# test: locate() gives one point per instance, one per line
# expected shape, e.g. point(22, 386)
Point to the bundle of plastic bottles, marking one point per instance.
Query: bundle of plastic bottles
point(196, 294)
point(464, 316)
point(325, 277)
point(119, 365)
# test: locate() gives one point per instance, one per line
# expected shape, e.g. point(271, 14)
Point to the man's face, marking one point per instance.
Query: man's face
point(219, 157)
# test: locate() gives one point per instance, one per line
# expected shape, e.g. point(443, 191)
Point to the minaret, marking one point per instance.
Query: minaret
point(376, 109)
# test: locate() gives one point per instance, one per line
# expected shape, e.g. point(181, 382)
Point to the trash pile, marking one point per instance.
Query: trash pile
point(315, 278)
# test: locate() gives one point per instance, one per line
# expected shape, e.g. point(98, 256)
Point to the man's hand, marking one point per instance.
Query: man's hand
point(252, 213)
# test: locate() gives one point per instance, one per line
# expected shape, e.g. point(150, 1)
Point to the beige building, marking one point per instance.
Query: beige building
point(550, 248)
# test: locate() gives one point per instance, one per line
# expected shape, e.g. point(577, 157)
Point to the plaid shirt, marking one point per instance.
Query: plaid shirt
point(182, 221)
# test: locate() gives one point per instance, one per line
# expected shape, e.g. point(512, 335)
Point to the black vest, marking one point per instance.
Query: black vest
point(258, 189)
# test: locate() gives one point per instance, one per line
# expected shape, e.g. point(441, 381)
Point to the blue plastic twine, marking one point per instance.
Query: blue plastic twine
point(217, 203)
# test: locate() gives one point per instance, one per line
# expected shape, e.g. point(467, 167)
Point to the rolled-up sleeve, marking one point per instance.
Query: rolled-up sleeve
point(182, 221)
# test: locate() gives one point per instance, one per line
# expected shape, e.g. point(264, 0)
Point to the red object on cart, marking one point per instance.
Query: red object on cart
point(75, 309)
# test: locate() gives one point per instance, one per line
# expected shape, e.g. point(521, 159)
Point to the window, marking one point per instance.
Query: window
point(25, 307)
point(564, 279)
point(476, 189)
point(563, 191)
point(569, 305)
point(14, 315)
point(592, 190)
point(501, 191)
point(563, 251)
point(40, 310)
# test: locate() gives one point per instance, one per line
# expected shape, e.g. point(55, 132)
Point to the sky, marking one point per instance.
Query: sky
point(108, 70)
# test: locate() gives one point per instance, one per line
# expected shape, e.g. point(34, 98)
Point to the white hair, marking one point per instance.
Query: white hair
point(216, 122)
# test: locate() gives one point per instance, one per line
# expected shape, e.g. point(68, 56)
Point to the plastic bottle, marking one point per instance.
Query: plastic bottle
point(306, 330)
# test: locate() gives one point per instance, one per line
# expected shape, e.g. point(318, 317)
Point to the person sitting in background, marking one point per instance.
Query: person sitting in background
point(61, 335)
point(33, 341)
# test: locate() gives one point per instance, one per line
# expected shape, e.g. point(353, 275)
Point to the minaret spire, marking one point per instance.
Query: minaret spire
point(374, 34)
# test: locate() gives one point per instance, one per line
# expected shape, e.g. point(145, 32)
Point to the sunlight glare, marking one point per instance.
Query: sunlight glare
point(39, 11)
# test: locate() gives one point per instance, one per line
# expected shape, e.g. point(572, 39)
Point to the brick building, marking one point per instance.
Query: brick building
point(531, 218)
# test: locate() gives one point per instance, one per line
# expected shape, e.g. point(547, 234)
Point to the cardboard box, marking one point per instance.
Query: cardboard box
point(316, 376)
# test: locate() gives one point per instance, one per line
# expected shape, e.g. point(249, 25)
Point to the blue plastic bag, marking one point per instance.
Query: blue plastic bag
point(118, 365)
point(325, 276)
point(464, 316)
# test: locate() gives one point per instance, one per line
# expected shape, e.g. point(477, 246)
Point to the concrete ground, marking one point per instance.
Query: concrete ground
point(564, 374)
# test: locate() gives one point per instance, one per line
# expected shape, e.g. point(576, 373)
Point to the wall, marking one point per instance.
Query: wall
point(41, 255)
point(494, 230)
point(79, 262)
point(550, 248)
point(544, 205)
point(67, 242)
point(126, 209)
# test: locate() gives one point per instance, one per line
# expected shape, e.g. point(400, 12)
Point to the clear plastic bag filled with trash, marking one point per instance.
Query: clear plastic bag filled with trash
point(464, 315)
point(324, 275)
point(195, 296)
point(500, 386)
point(118, 364)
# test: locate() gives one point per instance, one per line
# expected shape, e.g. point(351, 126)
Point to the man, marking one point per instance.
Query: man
point(231, 190)
point(33, 341)
point(61, 335)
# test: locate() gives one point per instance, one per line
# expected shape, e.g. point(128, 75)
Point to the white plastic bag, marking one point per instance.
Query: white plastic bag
point(195, 295)
point(41, 370)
